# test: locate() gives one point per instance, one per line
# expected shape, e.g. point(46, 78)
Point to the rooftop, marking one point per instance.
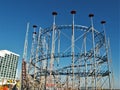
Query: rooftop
point(3, 52)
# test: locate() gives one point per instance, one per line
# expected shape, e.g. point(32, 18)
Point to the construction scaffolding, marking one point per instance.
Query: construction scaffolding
point(69, 57)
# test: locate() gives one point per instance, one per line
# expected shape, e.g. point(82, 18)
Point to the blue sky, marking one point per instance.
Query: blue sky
point(14, 15)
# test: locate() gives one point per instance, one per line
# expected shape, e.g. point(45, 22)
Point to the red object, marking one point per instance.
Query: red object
point(50, 85)
point(5, 88)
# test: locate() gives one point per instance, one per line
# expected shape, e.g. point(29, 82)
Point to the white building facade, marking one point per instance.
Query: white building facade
point(8, 65)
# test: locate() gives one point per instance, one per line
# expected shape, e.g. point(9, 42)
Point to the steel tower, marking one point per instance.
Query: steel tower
point(70, 57)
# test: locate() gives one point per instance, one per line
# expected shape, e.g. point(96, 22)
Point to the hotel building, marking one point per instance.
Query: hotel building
point(8, 65)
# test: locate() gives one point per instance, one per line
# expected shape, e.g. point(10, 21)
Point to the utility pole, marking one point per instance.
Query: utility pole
point(33, 46)
point(53, 47)
point(73, 57)
point(24, 59)
point(94, 53)
point(106, 48)
point(85, 61)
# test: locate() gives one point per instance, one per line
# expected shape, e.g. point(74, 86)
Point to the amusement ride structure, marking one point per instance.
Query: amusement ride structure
point(67, 57)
